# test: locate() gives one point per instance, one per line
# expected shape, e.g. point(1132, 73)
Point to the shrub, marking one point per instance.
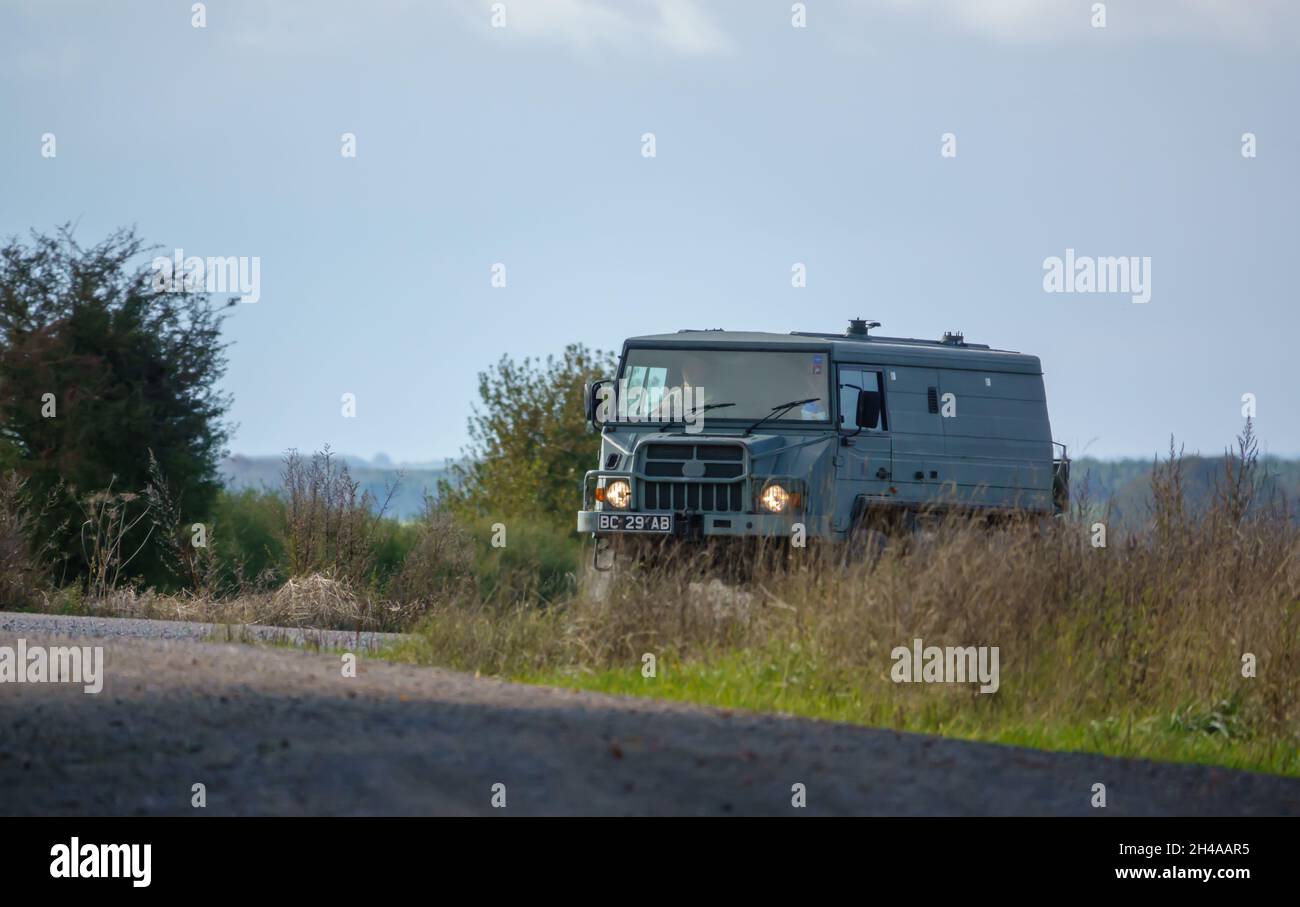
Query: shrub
point(127, 367)
point(330, 527)
point(22, 571)
point(248, 529)
point(440, 562)
point(529, 443)
point(536, 564)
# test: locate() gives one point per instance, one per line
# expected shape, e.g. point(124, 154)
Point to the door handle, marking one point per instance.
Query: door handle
point(882, 473)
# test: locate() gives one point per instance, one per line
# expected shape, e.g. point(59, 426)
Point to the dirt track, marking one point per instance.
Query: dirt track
point(277, 731)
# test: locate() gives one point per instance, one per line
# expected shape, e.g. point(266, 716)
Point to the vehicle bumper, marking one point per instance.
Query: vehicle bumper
point(722, 524)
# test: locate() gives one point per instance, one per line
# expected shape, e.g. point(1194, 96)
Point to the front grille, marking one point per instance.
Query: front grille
point(701, 497)
point(669, 451)
point(693, 465)
point(725, 452)
point(673, 469)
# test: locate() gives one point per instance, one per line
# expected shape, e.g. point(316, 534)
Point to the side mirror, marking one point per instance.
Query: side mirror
point(868, 414)
point(591, 401)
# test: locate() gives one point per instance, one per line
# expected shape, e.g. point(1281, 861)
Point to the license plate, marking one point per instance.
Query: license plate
point(634, 522)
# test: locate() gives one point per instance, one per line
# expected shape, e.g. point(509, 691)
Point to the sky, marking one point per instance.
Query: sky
point(921, 159)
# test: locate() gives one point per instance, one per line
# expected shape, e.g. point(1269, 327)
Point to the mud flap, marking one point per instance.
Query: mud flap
point(602, 546)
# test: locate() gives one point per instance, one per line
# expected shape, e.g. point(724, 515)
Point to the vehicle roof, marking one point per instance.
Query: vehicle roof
point(871, 349)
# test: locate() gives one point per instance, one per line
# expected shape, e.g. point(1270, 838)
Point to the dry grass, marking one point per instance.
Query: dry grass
point(1134, 648)
point(333, 527)
point(311, 602)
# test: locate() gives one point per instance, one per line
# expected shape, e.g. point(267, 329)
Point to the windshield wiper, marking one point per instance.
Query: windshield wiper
point(703, 409)
point(708, 406)
point(780, 410)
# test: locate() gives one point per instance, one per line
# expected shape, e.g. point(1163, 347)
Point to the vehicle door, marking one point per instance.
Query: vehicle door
point(864, 464)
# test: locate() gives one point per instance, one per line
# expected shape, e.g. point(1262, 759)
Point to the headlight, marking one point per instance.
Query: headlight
point(618, 494)
point(774, 499)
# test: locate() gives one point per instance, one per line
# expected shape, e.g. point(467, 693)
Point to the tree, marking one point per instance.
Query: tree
point(98, 369)
point(529, 443)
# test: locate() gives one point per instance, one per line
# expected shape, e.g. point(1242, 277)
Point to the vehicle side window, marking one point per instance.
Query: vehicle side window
point(854, 381)
point(850, 386)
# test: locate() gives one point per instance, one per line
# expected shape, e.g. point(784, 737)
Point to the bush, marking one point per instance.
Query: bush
point(440, 562)
point(248, 537)
point(536, 564)
point(330, 528)
point(126, 368)
point(22, 573)
point(529, 443)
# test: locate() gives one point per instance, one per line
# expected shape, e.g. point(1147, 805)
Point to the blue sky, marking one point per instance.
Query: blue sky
point(774, 145)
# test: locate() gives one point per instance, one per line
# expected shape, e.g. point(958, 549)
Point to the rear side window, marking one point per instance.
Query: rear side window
point(854, 381)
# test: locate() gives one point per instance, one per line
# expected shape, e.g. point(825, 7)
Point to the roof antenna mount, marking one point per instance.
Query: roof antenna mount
point(858, 327)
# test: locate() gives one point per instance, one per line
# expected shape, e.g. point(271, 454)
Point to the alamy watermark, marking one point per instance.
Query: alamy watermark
point(949, 664)
point(215, 274)
point(55, 664)
point(652, 404)
point(1106, 274)
point(75, 860)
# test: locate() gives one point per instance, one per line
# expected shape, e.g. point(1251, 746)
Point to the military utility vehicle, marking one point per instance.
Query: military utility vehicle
point(713, 433)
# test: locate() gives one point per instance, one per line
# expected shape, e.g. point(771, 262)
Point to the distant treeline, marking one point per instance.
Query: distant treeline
point(413, 482)
point(1124, 484)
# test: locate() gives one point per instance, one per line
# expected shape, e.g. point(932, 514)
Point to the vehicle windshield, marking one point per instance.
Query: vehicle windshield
point(661, 385)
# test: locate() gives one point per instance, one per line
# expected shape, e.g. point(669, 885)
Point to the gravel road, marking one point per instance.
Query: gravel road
point(282, 732)
point(57, 625)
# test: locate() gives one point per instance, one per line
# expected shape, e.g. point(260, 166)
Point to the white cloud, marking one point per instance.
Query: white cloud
point(1038, 21)
point(679, 26)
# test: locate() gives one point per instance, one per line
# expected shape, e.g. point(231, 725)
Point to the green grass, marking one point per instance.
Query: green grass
point(755, 680)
